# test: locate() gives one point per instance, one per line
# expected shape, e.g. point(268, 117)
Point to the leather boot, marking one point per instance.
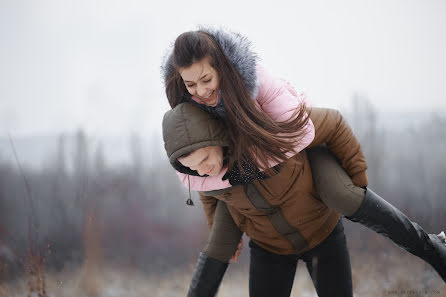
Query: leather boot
point(380, 216)
point(207, 277)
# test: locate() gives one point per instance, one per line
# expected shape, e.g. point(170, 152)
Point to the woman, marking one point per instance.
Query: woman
point(217, 71)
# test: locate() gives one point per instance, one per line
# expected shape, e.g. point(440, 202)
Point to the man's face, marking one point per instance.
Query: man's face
point(207, 160)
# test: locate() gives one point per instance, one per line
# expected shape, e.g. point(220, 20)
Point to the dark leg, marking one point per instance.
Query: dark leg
point(270, 274)
point(329, 265)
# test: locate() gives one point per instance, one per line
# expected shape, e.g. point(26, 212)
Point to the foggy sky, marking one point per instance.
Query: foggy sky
point(95, 64)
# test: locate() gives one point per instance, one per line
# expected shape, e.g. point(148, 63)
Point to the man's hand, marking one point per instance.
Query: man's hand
point(234, 258)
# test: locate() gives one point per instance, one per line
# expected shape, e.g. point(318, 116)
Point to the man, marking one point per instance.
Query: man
point(280, 210)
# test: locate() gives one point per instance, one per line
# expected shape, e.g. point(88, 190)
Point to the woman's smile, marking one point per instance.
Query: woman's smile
point(210, 99)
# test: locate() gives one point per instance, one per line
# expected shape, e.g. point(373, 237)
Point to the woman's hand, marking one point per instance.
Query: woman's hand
point(234, 258)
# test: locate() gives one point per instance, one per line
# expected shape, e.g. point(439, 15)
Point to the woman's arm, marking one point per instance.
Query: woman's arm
point(277, 98)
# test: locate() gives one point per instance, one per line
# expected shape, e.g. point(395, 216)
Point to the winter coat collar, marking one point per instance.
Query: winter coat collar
point(237, 48)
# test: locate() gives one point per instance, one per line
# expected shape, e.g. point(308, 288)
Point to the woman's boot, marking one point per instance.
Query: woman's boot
point(338, 192)
point(380, 216)
point(207, 277)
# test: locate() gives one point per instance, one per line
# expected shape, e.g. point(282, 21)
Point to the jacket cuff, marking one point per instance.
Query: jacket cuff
point(360, 179)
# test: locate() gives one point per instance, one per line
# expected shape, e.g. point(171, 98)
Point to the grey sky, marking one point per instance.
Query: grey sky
point(95, 64)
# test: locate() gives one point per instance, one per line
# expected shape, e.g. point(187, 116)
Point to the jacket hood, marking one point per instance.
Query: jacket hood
point(187, 128)
point(236, 47)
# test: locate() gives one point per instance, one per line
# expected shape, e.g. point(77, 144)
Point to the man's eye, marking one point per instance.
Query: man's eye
point(206, 81)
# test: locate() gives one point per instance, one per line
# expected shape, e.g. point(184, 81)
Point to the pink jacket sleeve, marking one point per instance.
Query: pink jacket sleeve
point(279, 100)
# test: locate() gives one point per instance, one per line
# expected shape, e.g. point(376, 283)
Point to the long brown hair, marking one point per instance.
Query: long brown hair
point(255, 137)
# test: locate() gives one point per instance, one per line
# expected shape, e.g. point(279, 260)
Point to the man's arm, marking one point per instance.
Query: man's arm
point(332, 129)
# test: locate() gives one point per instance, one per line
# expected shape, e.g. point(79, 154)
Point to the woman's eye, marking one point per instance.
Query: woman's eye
point(189, 86)
point(206, 81)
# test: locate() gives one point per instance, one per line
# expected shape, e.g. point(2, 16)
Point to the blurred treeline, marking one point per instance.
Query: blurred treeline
point(405, 158)
point(135, 213)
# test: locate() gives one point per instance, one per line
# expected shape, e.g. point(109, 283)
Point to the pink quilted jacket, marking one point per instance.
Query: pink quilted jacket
point(279, 100)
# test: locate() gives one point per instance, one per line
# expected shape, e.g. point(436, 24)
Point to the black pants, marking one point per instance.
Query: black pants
point(328, 263)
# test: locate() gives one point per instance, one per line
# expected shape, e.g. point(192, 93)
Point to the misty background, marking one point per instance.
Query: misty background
point(83, 173)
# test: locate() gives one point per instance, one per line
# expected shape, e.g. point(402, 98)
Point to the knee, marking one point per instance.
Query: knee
point(333, 184)
point(220, 251)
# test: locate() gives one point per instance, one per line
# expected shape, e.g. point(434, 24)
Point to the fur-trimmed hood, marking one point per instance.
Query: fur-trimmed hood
point(237, 48)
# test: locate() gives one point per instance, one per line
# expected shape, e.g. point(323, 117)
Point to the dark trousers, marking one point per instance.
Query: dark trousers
point(328, 263)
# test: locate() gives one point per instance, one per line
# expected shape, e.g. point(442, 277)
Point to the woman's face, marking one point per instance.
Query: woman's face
point(202, 82)
point(207, 160)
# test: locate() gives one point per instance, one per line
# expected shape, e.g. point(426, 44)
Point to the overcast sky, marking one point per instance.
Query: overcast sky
point(95, 64)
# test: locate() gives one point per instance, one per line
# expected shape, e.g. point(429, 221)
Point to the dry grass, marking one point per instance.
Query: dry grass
point(381, 270)
point(92, 268)
point(394, 273)
point(35, 274)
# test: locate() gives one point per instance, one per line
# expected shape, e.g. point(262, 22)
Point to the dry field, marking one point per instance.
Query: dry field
point(391, 273)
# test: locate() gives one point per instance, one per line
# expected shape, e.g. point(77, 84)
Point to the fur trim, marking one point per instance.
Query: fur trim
point(167, 66)
point(238, 50)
